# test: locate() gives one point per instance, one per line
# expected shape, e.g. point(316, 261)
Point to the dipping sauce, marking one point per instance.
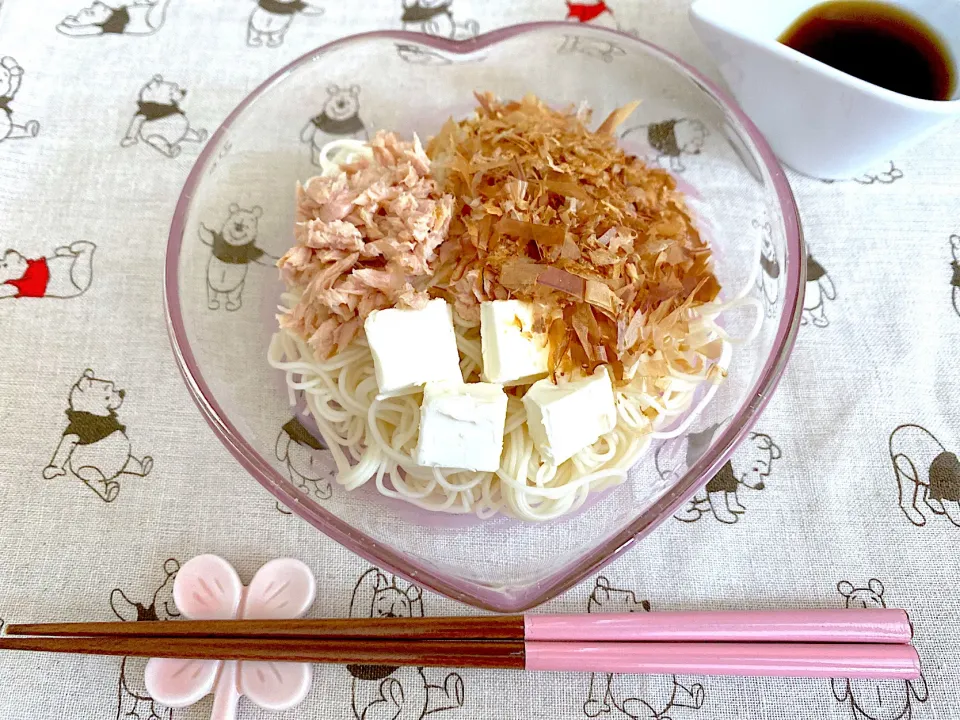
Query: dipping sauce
point(881, 44)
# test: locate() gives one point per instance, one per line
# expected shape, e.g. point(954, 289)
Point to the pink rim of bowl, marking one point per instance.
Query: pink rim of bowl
point(460, 589)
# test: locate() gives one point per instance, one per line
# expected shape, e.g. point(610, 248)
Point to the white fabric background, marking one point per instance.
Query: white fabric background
point(829, 511)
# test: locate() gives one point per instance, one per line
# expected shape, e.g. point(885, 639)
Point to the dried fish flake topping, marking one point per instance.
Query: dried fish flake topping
point(367, 239)
point(551, 212)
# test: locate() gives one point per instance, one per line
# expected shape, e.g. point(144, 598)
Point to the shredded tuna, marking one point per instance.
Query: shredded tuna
point(367, 239)
point(548, 211)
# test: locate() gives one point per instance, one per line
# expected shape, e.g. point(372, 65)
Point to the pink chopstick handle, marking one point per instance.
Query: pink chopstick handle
point(801, 660)
point(828, 626)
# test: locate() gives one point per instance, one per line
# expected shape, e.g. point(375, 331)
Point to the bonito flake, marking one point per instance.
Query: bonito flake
point(551, 212)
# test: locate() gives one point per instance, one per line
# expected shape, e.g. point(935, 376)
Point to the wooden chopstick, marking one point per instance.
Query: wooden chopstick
point(865, 660)
point(481, 627)
point(432, 653)
point(774, 626)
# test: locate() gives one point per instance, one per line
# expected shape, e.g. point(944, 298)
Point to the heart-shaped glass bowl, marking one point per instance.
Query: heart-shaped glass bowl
point(221, 310)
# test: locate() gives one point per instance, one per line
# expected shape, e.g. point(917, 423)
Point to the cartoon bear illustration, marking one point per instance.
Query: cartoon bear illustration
point(11, 74)
point(888, 175)
point(597, 13)
point(435, 17)
point(585, 12)
point(142, 17)
point(133, 700)
point(591, 47)
point(673, 139)
point(925, 472)
point(768, 280)
point(955, 276)
point(339, 118)
point(270, 20)
point(653, 697)
point(159, 120)
point(416, 55)
point(397, 693)
point(669, 467)
point(300, 451)
point(719, 496)
point(67, 273)
point(819, 288)
point(95, 446)
point(222, 152)
point(234, 247)
point(608, 599)
point(871, 699)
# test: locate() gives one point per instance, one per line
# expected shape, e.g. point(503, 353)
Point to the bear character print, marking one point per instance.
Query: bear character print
point(416, 55)
point(133, 700)
point(818, 289)
point(768, 280)
point(720, 495)
point(339, 118)
point(11, 75)
point(67, 273)
point(159, 121)
point(653, 697)
point(233, 248)
point(270, 20)
point(396, 693)
point(300, 452)
point(591, 47)
point(95, 446)
point(886, 176)
point(673, 457)
point(144, 17)
point(597, 13)
point(673, 139)
point(871, 699)
point(890, 174)
point(955, 272)
point(927, 475)
point(435, 17)
point(587, 12)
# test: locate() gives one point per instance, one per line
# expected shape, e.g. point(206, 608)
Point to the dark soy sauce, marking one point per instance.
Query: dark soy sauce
point(882, 44)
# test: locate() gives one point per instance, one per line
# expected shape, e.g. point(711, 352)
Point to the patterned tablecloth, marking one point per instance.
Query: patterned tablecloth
point(847, 494)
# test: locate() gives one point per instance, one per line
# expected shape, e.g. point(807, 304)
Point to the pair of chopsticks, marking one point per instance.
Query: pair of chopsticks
point(867, 644)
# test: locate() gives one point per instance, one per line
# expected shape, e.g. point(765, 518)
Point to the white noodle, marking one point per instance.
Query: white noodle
point(377, 439)
point(340, 152)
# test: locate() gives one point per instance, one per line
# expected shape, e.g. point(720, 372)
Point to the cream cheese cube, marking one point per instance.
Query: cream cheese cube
point(512, 353)
point(413, 347)
point(461, 426)
point(564, 419)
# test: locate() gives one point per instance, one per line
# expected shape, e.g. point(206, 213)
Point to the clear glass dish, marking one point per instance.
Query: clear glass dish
point(221, 314)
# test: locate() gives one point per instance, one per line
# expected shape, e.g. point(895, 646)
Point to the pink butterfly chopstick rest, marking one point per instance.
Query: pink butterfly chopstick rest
point(208, 588)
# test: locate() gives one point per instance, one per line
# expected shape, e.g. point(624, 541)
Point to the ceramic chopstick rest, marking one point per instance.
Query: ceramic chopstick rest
point(208, 588)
